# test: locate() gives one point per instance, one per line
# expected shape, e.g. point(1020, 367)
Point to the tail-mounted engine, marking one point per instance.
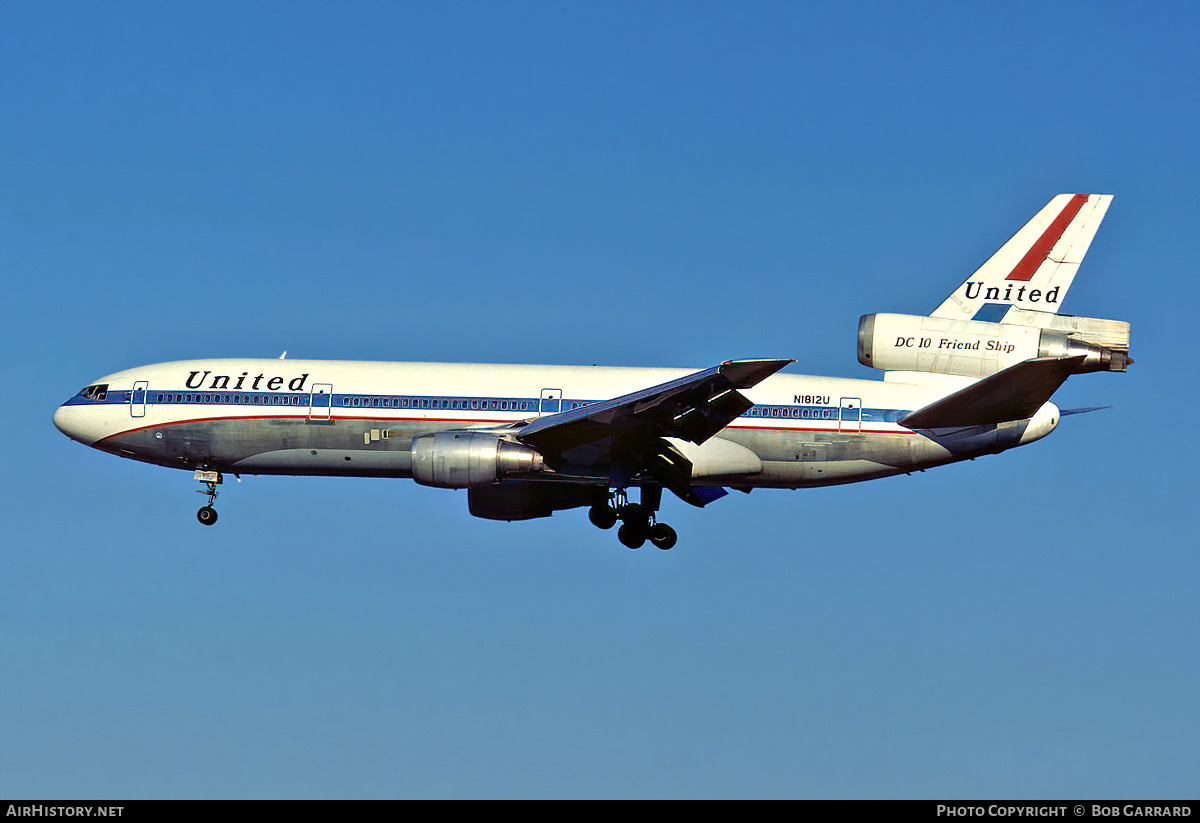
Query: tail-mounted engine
point(463, 459)
point(975, 348)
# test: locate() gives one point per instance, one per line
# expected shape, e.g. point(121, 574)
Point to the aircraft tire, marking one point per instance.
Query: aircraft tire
point(663, 536)
point(602, 517)
point(631, 536)
point(634, 514)
point(207, 515)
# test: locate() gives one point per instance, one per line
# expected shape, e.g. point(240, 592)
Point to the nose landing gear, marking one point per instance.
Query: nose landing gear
point(207, 514)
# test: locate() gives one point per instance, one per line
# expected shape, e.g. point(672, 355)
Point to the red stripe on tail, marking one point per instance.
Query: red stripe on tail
point(1033, 258)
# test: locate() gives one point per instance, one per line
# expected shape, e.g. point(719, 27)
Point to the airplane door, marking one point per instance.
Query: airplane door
point(320, 401)
point(850, 418)
point(551, 402)
point(137, 399)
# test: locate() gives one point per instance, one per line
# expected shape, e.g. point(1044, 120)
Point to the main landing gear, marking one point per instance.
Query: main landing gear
point(638, 522)
point(207, 514)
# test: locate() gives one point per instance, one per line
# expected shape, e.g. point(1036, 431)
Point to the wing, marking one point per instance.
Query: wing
point(628, 430)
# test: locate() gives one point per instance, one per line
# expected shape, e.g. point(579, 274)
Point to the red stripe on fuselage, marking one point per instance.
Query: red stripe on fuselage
point(1033, 258)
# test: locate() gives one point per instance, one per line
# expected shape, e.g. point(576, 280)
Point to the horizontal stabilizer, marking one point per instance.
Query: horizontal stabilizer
point(1013, 394)
point(1088, 410)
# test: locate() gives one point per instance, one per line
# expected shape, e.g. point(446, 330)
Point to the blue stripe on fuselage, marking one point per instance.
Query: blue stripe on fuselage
point(343, 405)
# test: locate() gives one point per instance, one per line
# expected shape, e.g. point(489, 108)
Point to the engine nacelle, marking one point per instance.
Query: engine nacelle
point(527, 499)
point(976, 348)
point(463, 459)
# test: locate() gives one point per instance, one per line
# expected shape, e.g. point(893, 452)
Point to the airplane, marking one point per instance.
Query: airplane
point(973, 377)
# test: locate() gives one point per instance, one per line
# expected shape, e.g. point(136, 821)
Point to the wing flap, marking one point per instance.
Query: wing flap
point(1015, 393)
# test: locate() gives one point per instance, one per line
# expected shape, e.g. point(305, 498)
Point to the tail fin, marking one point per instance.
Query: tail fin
point(1035, 268)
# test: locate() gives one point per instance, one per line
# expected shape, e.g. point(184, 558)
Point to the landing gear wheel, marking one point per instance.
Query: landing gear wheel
point(634, 514)
point(663, 536)
point(632, 536)
point(207, 515)
point(602, 516)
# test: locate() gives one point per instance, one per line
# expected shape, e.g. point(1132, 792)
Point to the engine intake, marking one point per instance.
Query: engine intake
point(464, 459)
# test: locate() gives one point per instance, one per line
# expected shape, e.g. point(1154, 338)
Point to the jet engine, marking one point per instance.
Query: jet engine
point(463, 459)
point(976, 348)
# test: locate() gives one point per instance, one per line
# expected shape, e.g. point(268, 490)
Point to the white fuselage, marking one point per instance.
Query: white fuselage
point(329, 417)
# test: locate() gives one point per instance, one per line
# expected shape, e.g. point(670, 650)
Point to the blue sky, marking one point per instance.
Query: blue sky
point(628, 184)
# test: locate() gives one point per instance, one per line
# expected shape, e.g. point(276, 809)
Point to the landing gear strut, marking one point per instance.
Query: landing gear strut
point(638, 521)
point(207, 514)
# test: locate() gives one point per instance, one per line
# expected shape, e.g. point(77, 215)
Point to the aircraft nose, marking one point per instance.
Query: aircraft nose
point(60, 420)
point(67, 420)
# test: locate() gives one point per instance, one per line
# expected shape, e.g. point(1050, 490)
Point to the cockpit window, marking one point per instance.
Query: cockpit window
point(97, 392)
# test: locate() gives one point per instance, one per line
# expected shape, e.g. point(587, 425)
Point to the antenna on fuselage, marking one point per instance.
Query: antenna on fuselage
point(284, 355)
